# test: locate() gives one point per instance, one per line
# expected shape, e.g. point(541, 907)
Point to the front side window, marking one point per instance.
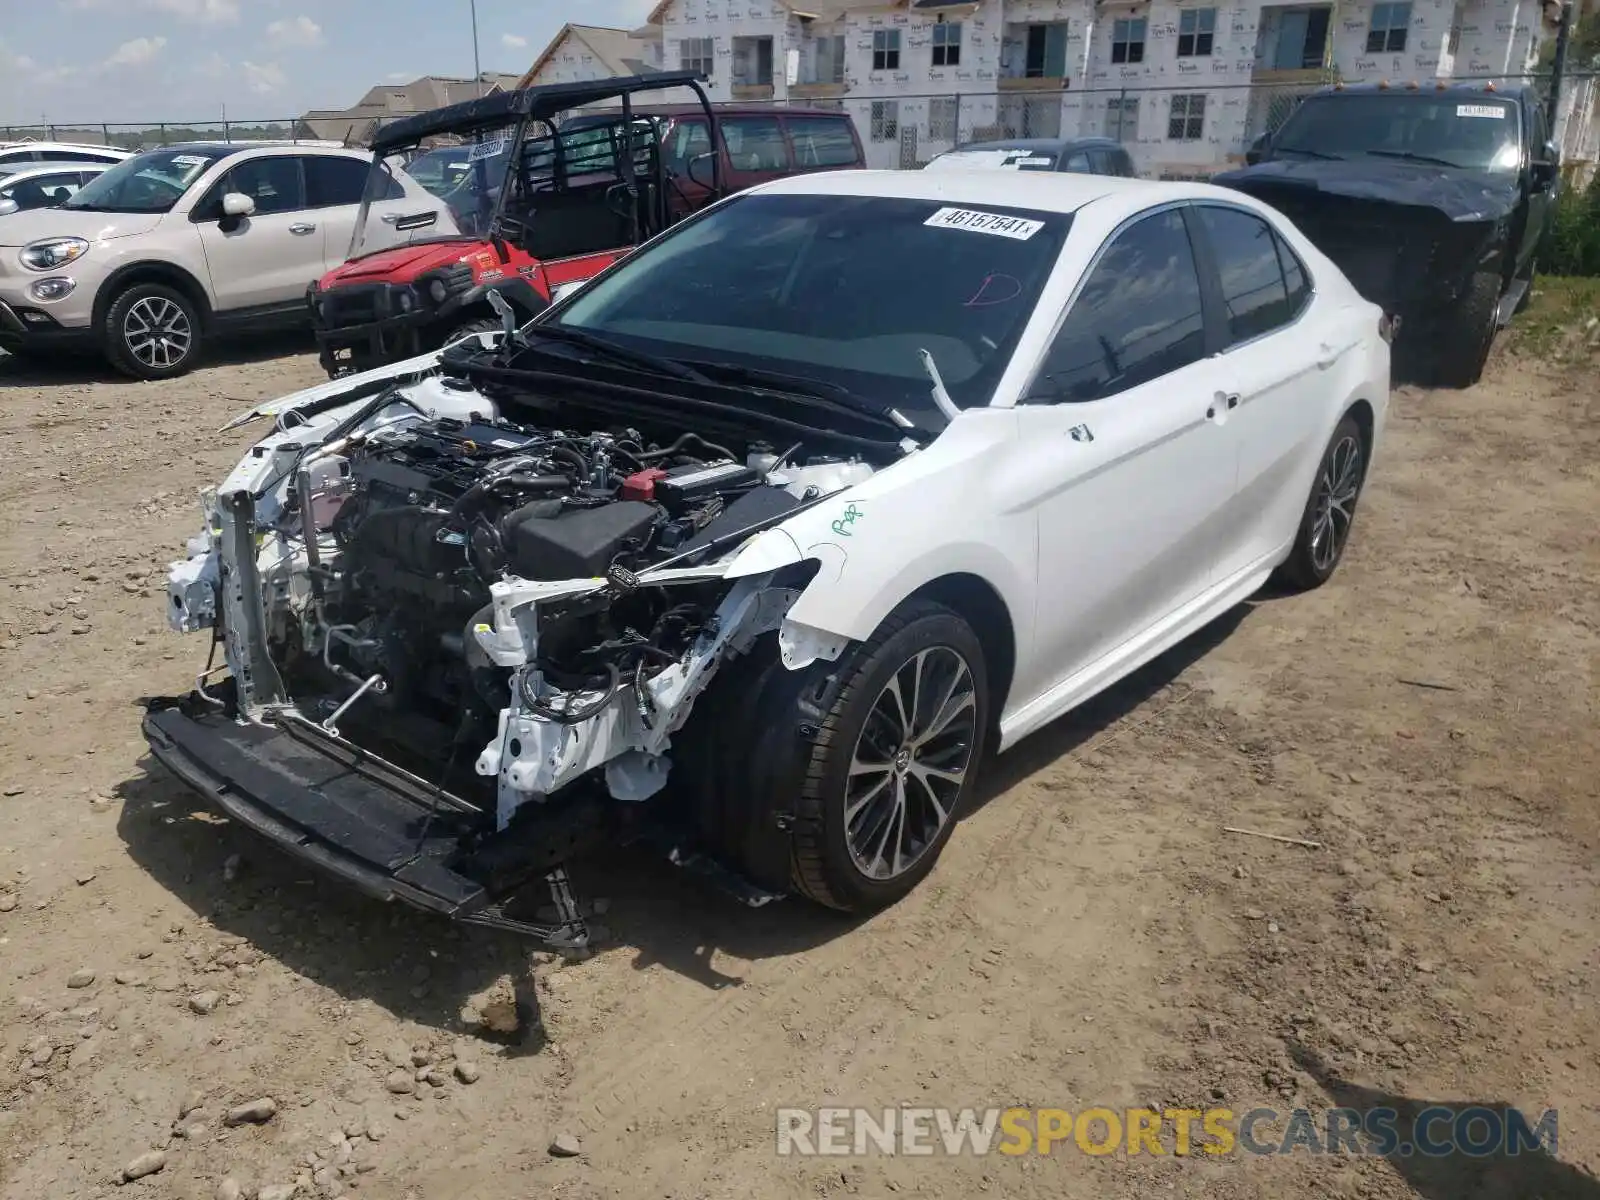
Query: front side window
point(1197, 29)
point(146, 183)
point(886, 50)
point(1186, 120)
point(947, 44)
point(1473, 130)
point(755, 144)
point(1137, 317)
point(1127, 40)
point(885, 120)
point(1387, 33)
point(273, 183)
point(841, 289)
point(1078, 163)
point(697, 55)
point(689, 140)
point(1250, 271)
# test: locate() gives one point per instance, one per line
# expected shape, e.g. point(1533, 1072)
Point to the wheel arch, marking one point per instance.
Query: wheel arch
point(975, 600)
point(152, 271)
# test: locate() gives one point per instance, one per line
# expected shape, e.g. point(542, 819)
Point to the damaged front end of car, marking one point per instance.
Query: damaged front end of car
point(465, 631)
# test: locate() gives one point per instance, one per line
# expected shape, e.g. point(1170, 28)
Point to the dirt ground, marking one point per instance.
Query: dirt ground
point(1091, 936)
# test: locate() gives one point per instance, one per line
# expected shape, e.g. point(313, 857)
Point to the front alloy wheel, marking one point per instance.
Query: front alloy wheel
point(152, 332)
point(890, 768)
point(910, 763)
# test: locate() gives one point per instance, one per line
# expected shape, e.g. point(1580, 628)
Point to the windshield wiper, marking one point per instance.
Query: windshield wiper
point(654, 364)
point(1309, 153)
point(827, 395)
point(1413, 156)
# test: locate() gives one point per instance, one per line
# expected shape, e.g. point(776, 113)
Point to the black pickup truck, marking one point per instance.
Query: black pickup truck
point(1431, 198)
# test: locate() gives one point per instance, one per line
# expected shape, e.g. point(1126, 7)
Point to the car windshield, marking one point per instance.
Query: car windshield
point(841, 290)
point(993, 159)
point(1476, 131)
point(146, 183)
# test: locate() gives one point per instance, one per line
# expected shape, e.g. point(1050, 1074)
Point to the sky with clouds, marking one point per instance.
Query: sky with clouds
point(146, 61)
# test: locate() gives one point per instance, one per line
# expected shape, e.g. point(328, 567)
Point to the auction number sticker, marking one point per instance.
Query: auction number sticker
point(487, 150)
point(996, 224)
point(189, 160)
point(1495, 112)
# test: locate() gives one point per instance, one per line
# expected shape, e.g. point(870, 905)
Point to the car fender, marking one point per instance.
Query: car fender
point(925, 518)
point(158, 270)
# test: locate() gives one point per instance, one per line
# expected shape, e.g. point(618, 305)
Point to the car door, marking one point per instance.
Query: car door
point(334, 185)
point(1541, 199)
point(271, 256)
point(1125, 452)
point(1276, 370)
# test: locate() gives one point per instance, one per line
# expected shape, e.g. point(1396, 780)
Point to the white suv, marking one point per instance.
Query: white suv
point(175, 244)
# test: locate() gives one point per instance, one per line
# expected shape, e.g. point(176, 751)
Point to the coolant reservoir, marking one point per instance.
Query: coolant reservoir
point(441, 396)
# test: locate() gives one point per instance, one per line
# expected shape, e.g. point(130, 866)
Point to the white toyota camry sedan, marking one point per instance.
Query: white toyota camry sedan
point(760, 540)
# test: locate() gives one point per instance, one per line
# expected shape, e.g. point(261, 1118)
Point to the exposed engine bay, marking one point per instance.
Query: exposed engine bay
point(491, 606)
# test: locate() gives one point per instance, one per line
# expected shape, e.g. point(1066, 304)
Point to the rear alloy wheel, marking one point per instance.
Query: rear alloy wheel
point(1330, 511)
point(894, 762)
point(152, 332)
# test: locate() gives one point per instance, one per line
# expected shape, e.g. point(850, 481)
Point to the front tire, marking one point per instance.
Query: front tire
point(475, 325)
point(893, 762)
point(152, 332)
point(1330, 510)
point(1462, 348)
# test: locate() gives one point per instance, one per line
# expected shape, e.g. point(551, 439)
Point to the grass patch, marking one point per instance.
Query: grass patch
point(1562, 324)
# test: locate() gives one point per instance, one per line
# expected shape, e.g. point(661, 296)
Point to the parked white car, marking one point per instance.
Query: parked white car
point(168, 247)
point(45, 185)
point(15, 156)
point(770, 531)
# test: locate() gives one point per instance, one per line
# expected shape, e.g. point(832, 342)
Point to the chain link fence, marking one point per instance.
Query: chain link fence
point(148, 135)
point(1183, 130)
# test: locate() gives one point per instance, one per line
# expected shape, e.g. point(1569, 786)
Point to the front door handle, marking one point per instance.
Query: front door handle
point(300, 228)
point(1225, 400)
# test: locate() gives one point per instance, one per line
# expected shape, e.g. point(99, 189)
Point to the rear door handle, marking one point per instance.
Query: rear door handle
point(300, 228)
point(1327, 355)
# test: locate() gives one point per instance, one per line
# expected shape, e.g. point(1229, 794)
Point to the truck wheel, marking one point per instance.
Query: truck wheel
point(476, 325)
point(152, 332)
point(893, 761)
point(1463, 346)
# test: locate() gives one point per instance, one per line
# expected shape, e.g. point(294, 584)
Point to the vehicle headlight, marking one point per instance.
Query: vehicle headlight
point(437, 291)
point(52, 253)
point(406, 301)
point(54, 288)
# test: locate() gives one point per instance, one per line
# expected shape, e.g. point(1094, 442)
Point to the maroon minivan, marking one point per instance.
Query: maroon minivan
point(759, 142)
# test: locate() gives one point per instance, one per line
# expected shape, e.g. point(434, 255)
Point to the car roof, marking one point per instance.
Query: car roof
point(1056, 145)
point(53, 146)
point(223, 149)
point(1046, 191)
point(51, 168)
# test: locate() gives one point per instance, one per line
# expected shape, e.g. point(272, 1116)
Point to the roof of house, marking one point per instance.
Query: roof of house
point(618, 50)
point(390, 100)
point(813, 10)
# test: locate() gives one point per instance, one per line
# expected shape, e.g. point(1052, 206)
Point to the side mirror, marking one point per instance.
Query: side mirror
point(1256, 149)
point(7, 206)
point(1546, 166)
point(237, 204)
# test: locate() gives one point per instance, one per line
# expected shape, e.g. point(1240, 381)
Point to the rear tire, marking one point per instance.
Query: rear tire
point(152, 331)
point(892, 764)
point(1462, 348)
point(1330, 510)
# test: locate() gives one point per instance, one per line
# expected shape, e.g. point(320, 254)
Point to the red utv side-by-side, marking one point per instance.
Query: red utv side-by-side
point(524, 206)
